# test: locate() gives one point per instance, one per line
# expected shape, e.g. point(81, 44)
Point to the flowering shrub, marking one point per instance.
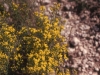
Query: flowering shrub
point(44, 46)
point(36, 50)
point(7, 44)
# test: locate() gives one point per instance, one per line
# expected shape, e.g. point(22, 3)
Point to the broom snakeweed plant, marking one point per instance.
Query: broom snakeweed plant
point(37, 50)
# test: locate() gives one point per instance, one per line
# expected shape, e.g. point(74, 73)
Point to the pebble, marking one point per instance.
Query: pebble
point(96, 68)
point(62, 32)
point(46, 1)
point(71, 50)
point(6, 6)
point(76, 40)
point(79, 53)
point(94, 73)
point(98, 49)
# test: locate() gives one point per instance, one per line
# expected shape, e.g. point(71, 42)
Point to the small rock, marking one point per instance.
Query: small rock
point(78, 34)
point(45, 2)
point(98, 49)
point(68, 6)
point(96, 44)
point(79, 53)
point(86, 66)
point(76, 40)
point(94, 73)
point(71, 50)
point(6, 7)
point(96, 69)
point(82, 73)
point(78, 61)
point(62, 32)
point(59, 13)
point(67, 34)
point(87, 12)
point(84, 61)
point(83, 50)
point(90, 42)
point(74, 65)
point(36, 4)
point(92, 37)
point(67, 65)
point(80, 69)
point(82, 27)
point(97, 36)
point(84, 35)
point(73, 31)
point(49, 10)
point(89, 59)
point(83, 69)
point(92, 64)
point(90, 72)
point(77, 22)
point(47, 13)
point(70, 15)
point(87, 27)
point(97, 54)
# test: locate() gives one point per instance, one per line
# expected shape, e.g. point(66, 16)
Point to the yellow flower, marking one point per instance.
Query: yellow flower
point(19, 56)
point(23, 28)
point(6, 32)
point(12, 40)
point(11, 47)
point(43, 58)
point(43, 73)
point(46, 18)
point(49, 35)
point(11, 29)
point(57, 20)
point(0, 36)
point(5, 43)
point(17, 49)
point(30, 56)
point(47, 51)
point(50, 59)
point(15, 5)
point(42, 8)
point(33, 30)
point(41, 52)
point(45, 45)
point(55, 24)
point(16, 58)
point(36, 13)
point(57, 45)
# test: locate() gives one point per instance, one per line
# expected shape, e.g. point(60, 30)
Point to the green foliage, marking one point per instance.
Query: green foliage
point(36, 50)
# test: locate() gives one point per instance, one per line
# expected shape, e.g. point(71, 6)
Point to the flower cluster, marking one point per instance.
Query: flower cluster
point(3, 63)
point(31, 50)
point(15, 6)
point(7, 44)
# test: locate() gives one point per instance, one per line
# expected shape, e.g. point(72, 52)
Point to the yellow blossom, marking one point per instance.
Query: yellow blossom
point(42, 8)
point(6, 32)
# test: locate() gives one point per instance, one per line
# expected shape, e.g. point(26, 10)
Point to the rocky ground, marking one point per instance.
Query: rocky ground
point(82, 32)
